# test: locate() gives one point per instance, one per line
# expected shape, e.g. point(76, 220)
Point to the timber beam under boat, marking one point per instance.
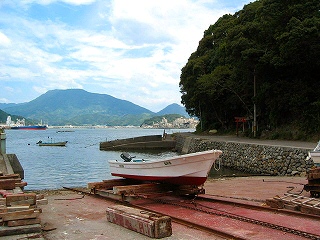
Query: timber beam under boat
point(126, 190)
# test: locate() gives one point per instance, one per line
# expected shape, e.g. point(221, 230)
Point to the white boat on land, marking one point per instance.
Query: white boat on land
point(188, 169)
point(315, 155)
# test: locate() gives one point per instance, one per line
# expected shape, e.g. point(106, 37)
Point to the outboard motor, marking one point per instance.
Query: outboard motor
point(126, 157)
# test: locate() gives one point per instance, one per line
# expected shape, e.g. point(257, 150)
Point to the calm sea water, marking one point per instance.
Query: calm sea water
point(79, 162)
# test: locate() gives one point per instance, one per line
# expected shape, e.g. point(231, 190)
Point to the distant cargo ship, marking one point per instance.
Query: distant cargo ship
point(20, 124)
point(37, 127)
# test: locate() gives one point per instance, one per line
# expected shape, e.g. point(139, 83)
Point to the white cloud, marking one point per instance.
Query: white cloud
point(133, 50)
point(4, 40)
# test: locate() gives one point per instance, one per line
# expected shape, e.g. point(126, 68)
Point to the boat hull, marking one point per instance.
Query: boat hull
point(56, 144)
point(188, 169)
point(315, 155)
point(29, 128)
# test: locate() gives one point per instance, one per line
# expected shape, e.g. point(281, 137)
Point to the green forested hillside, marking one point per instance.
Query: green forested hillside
point(4, 115)
point(79, 107)
point(274, 43)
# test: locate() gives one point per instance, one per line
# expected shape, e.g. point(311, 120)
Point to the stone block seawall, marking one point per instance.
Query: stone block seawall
point(251, 158)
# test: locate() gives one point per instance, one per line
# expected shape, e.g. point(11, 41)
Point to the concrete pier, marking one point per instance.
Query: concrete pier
point(153, 142)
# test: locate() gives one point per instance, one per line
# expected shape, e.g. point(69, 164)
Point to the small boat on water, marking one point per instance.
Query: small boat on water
point(315, 155)
point(57, 144)
point(187, 169)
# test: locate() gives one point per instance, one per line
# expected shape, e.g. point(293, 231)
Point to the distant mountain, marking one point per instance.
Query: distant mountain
point(6, 105)
point(79, 107)
point(174, 109)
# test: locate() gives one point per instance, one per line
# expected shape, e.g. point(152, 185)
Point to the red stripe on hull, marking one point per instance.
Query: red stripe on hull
point(29, 128)
point(173, 180)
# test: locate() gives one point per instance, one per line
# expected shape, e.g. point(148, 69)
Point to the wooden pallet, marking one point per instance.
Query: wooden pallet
point(296, 203)
point(124, 189)
point(19, 211)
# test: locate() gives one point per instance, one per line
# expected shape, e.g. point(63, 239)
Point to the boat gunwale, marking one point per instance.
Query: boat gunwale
point(153, 161)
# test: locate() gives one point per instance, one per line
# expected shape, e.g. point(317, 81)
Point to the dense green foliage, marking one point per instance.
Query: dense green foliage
point(157, 119)
point(278, 42)
point(4, 115)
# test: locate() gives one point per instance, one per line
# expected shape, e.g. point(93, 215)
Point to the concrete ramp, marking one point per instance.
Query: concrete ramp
point(153, 142)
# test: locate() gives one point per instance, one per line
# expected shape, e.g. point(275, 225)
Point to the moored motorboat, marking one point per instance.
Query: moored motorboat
point(187, 169)
point(57, 144)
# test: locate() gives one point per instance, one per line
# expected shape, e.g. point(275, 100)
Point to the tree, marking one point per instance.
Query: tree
point(278, 41)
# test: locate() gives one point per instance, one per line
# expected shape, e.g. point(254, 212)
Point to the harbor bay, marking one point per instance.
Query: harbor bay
point(80, 161)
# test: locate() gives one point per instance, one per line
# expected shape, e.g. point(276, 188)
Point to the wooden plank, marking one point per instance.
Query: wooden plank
point(42, 201)
point(147, 223)
point(274, 203)
point(97, 185)
point(108, 184)
point(39, 196)
point(17, 208)
point(4, 193)
point(7, 176)
point(3, 210)
point(7, 184)
point(140, 188)
point(24, 214)
point(21, 199)
point(310, 210)
point(7, 231)
point(23, 222)
point(21, 184)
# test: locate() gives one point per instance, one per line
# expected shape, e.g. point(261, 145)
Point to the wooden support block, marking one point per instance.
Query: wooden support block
point(6, 231)
point(274, 203)
point(24, 214)
point(42, 201)
point(21, 199)
point(3, 210)
point(39, 196)
point(21, 184)
point(310, 210)
point(7, 176)
point(97, 185)
point(147, 223)
point(4, 193)
point(7, 184)
point(2, 201)
point(140, 188)
point(17, 208)
point(108, 184)
point(292, 207)
point(23, 222)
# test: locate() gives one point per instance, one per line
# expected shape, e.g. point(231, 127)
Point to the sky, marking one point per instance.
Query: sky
point(131, 50)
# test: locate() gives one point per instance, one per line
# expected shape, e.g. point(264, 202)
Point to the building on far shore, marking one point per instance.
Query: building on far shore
point(177, 123)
